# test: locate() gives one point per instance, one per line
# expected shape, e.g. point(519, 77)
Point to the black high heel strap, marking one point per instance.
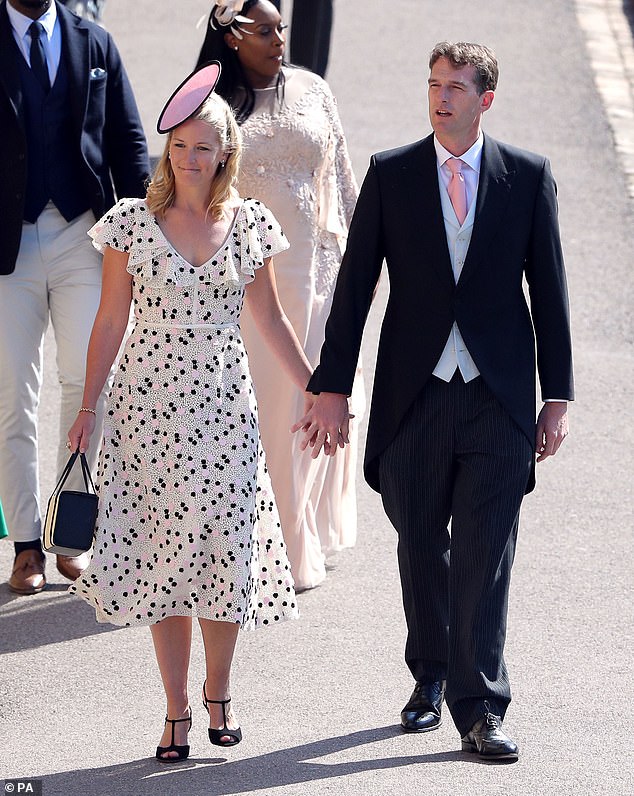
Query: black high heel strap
point(182, 750)
point(176, 721)
point(216, 736)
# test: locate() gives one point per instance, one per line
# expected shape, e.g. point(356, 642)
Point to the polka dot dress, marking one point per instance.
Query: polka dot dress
point(187, 521)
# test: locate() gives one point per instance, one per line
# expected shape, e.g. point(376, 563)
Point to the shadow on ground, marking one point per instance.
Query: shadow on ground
point(47, 618)
point(217, 776)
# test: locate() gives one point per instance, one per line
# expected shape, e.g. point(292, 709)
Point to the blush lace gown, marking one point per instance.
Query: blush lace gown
point(296, 161)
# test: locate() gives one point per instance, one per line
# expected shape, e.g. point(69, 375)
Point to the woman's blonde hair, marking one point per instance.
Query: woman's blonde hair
point(161, 190)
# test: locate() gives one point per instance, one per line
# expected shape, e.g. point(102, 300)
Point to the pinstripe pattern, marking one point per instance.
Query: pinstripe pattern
point(457, 456)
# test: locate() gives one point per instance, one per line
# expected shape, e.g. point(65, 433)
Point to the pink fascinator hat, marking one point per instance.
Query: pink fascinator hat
point(188, 97)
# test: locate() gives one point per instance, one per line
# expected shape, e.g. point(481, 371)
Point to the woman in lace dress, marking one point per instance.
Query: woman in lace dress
point(296, 161)
point(187, 522)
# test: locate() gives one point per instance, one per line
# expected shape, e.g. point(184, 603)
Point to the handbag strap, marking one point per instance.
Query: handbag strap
point(69, 466)
point(86, 473)
point(66, 471)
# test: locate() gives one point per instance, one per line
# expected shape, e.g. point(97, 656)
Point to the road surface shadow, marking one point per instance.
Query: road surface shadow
point(46, 618)
point(221, 777)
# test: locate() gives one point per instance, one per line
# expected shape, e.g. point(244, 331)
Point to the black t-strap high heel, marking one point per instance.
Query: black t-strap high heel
point(215, 736)
point(182, 751)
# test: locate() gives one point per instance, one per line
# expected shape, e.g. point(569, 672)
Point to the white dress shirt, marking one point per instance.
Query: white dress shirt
point(51, 41)
point(455, 354)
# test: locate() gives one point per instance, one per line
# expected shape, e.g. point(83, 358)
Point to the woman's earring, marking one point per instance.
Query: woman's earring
point(236, 48)
point(222, 164)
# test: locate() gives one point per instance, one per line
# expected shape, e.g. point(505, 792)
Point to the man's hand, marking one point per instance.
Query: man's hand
point(325, 424)
point(552, 428)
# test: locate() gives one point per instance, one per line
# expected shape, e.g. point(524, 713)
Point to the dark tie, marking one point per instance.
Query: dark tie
point(38, 59)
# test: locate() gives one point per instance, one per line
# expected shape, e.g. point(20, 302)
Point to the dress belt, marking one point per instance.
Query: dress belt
point(146, 325)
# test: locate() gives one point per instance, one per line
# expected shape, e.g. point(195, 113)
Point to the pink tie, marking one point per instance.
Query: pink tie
point(457, 189)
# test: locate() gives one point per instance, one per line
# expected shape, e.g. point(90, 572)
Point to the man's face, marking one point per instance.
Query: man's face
point(31, 8)
point(455, 107)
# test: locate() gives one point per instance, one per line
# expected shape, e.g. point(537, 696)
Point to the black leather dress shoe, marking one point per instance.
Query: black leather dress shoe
point(422, 712)
point(488, 741)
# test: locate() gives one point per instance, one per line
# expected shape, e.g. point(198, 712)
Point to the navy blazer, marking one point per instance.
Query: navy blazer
point(399, 218)
point(110, 141)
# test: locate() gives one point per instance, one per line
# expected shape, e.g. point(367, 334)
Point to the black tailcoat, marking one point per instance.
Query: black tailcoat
point(515, 236)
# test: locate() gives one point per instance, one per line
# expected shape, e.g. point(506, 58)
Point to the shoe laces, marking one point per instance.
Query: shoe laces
point(492, 721)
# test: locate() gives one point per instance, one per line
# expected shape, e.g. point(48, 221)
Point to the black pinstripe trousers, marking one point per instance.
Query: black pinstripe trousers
point(459, 457)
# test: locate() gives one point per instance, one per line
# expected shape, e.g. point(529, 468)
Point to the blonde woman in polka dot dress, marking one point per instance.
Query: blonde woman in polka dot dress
point(188, 526)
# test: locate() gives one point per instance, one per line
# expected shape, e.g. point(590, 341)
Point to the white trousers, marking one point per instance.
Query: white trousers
point(57, 274)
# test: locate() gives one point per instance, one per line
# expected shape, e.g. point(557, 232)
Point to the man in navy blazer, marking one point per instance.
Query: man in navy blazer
point(71, 139)
point(462, 222)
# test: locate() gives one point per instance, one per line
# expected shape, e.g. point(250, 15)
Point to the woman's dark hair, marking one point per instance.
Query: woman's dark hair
point(233, 85)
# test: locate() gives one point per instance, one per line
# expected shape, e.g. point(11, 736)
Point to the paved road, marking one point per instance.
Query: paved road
point(81, 705)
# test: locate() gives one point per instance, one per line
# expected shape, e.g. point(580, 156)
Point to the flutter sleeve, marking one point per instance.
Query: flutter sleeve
point(261, 237)
point(338, 186)
point(117, 227)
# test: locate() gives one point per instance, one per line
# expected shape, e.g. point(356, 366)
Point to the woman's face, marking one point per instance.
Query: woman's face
point(261, 49)
point(195, 153)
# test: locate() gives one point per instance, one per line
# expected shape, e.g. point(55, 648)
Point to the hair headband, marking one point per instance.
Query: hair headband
point(226, 12)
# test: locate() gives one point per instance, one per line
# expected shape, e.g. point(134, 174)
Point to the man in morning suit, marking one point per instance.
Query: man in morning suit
point(70, 129)
point(461, 220)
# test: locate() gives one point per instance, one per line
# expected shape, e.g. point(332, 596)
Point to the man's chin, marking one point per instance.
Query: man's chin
point(438, 126)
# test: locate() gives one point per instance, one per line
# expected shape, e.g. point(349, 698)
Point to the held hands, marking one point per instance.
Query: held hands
point(80, 432)
point(552, 429)
point(326, 423)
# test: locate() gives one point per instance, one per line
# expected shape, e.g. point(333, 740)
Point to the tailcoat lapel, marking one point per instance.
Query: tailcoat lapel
point(424, 195)
point(491, 203)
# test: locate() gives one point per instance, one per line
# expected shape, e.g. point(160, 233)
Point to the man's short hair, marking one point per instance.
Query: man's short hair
point(464, 53)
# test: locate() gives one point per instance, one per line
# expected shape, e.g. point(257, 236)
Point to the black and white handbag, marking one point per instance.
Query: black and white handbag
point(70, 515)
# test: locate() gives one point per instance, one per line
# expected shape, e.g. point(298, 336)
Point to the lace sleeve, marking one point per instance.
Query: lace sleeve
point(339, 190)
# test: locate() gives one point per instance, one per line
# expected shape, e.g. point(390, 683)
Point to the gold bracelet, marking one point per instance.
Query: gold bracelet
point(88, 409)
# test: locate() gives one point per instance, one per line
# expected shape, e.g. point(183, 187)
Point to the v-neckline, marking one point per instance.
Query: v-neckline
point(222, 246)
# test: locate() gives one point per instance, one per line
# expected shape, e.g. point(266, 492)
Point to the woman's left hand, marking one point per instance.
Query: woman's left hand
point(325, 424)
point(309, 400)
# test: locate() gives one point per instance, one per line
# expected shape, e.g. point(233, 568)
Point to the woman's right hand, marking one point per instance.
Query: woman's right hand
point(81, 431)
